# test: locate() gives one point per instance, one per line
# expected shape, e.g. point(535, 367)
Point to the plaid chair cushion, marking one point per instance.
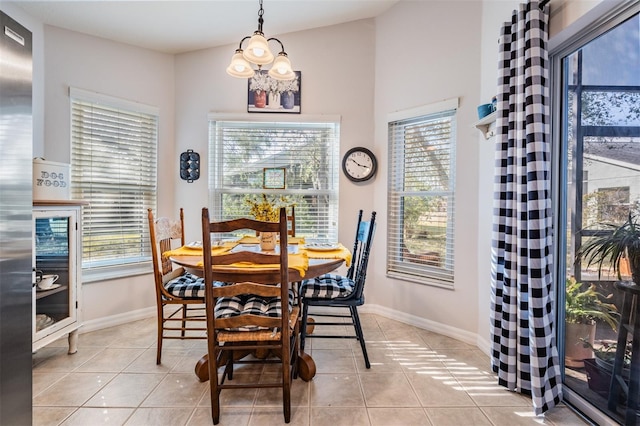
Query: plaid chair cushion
point(186, 286)
point(227, 307)
point(327, 286)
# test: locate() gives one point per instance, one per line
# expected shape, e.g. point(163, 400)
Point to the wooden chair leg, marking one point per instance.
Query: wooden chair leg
point(286, 385)
point(160, 333)
point(215, 411)
point(215, 392)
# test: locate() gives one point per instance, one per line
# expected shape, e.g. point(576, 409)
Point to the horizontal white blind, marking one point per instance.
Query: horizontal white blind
point(241, 150)
point(113, 167)
point(421, 198)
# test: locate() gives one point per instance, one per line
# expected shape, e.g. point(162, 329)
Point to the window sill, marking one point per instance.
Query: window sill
point(432, 282)
point(114, 273)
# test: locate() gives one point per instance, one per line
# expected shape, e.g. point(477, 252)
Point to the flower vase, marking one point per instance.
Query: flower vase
point(287, 100)
point(267, 241)
point(259, 98)
point(274, 100)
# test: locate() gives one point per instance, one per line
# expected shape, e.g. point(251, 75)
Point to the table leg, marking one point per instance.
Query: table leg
point(202, 366)
point(306, 367)
point(310, 325)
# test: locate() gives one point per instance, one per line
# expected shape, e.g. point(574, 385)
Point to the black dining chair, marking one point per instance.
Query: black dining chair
point(337, 291)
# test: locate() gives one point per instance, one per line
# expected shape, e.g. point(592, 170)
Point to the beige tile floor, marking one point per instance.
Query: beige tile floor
point(416, 378)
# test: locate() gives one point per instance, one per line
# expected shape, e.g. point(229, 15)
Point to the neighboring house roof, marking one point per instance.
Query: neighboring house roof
point(626, 150)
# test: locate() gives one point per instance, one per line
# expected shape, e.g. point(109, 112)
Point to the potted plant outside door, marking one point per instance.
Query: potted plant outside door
point(583, 307)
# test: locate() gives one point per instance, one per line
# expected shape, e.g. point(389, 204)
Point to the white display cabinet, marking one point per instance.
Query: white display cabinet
point(57, 250)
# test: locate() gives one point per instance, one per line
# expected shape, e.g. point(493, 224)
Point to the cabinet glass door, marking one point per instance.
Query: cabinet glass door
point(54, 298)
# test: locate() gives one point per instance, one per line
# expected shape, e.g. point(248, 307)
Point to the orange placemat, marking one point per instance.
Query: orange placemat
point(197, 251)
point(339, 253)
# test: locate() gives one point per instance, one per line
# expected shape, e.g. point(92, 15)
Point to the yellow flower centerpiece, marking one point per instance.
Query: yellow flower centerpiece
point(261, 208)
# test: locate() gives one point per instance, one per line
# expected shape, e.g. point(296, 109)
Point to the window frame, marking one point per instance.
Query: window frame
point(216, 170)
point(124, 266)
point(397, 267)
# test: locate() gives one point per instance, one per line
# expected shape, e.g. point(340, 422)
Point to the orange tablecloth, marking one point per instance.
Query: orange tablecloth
point(298, 261)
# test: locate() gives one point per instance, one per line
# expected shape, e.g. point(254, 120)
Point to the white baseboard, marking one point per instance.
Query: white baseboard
point(114, 320)
point(446, 330)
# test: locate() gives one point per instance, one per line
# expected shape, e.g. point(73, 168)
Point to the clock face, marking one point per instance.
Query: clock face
point(359, 164)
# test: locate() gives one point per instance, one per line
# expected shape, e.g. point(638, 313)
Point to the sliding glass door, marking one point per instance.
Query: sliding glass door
point(599, 184)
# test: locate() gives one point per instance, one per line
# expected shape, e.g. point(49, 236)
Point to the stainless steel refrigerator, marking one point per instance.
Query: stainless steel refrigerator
point(16, 147)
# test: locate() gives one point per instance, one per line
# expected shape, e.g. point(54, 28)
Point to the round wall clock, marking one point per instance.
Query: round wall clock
point(359, 164)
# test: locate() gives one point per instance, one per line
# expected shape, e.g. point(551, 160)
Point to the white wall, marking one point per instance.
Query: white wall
point(127, 72)
point(422, 57)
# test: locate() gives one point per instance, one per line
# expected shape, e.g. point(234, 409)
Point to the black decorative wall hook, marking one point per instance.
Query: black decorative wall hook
point(190, 165)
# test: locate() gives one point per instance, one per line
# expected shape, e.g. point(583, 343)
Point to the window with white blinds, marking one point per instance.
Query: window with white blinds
point(421, 197)
point(113, 168)
point(240, 150)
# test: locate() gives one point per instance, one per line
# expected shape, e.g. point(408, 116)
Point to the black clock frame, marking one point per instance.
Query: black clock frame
point(374, 162)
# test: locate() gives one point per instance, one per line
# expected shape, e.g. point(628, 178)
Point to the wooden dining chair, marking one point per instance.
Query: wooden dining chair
point(175, 288)
point(249, 316)
point(291, 221)
point(340, 292)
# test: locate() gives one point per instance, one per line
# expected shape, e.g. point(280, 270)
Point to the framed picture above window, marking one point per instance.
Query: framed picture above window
point(274, 178)
point(266, 94)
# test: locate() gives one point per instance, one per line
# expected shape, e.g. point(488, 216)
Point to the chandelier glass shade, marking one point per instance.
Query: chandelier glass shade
point(257, 53)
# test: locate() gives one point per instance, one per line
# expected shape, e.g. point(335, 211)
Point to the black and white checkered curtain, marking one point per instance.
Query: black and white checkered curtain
point(524, 351)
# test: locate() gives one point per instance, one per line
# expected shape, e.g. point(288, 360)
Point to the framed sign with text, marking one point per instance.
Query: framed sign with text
point(274, 177)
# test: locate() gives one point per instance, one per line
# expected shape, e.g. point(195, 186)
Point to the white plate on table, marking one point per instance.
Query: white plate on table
point(322, 246)
point(194, 245)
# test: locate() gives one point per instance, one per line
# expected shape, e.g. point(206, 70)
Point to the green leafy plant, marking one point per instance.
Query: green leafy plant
point(587, 306)
point(606, 351)
point(613, 244)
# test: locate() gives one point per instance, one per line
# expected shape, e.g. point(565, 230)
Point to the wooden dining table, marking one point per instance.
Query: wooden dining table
point(319, 264)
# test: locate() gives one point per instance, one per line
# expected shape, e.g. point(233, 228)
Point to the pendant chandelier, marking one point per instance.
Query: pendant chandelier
point(258, 53)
